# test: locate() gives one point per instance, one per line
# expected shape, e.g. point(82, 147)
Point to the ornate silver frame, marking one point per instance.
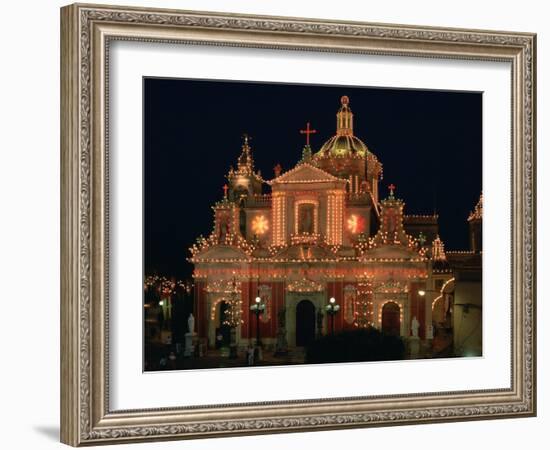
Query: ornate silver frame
point(86, 31)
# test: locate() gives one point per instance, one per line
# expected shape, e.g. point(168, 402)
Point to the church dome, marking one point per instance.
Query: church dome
point(343, 144)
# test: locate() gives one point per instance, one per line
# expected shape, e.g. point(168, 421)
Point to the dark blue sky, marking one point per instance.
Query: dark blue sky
point(429, 142)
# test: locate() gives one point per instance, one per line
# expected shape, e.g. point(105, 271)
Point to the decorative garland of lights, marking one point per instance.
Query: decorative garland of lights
point(304, 285)
point(450, 280)
point(420, 217)
point(313, 260)
point(214, 306)
point(165, 286)
point(234, 312)
point(305, 238)
point(392, 287)
point(325, 176)
point(278, 220)
point(352, 273)
point(245, 164)
point(226, 287)
point(231, 239)
point(435, 301)
point(381, 307)
point(364, 304)
point(438, 250)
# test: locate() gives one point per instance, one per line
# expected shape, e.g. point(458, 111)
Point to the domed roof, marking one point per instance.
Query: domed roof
point(343, 144)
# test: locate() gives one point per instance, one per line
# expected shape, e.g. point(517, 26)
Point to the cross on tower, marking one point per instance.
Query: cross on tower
point(307, 132)
point(391, 187)
point(225, 189)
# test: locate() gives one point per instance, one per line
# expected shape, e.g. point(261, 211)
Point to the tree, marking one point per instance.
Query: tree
point(366, 344)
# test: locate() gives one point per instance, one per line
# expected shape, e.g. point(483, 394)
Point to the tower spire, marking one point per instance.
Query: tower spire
point(344, 118)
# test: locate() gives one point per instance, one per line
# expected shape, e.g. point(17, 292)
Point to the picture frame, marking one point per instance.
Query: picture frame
point(87, 31)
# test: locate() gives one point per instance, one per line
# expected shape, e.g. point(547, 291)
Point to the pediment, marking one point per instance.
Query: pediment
point(305, 173)
point(222, 252)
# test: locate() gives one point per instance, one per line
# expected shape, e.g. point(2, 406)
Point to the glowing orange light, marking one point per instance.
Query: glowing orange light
point(356, 224)
point(260, 225)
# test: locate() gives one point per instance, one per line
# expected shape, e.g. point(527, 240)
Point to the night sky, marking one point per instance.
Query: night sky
point(429, 142)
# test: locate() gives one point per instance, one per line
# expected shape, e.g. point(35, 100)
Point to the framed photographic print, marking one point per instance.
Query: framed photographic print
point(276, 225)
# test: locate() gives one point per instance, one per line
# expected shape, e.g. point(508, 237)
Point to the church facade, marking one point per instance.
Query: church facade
point(323, 230)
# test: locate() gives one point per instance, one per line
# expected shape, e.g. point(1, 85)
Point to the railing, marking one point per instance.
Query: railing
point(357, 198)
point(262, 200)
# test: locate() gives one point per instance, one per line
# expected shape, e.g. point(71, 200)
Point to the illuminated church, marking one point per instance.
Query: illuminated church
point(326, 229)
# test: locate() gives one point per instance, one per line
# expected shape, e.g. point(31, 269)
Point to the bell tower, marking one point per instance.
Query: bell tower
point(244, 182)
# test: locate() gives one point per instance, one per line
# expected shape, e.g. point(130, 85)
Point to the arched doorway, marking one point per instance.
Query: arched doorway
point(305, 323)
point(223, 330)
point(391, 322)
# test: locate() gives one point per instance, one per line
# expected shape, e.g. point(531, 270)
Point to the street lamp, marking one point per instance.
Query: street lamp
point(257, 308)
point(332, 308)
point(423, 292)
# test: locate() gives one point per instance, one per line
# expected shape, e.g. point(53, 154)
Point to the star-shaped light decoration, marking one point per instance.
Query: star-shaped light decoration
point(260, 225)
point(356, 224)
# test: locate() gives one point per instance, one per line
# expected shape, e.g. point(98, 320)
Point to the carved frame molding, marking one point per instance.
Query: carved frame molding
point(86, 31)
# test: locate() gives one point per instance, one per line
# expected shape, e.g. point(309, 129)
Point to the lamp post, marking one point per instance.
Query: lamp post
point(332, 308)
point(257, 308)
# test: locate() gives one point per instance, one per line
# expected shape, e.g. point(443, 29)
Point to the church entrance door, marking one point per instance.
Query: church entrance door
point(305, 323)
point(391, 323)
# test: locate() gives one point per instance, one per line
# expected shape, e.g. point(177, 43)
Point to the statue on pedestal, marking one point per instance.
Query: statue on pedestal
point(190, 336)
point(414, 340)
point(191, 324)
point(415, 325)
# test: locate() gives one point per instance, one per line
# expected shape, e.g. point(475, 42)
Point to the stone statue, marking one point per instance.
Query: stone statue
point(190, 337)
point(191, 323)
point(415, 325)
